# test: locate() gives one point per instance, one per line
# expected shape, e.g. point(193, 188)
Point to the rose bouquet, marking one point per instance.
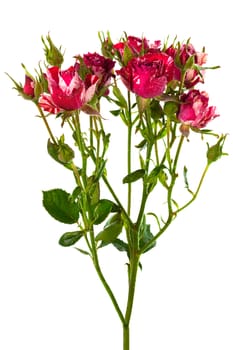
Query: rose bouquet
point(152, 88)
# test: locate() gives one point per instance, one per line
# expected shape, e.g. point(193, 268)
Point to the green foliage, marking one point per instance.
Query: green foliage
point(70, 238)
point(93, 189)
point(120, 98)
point(61, 206)
point(155, 174)
point(102, 209)
point(134, 176)
point(60, 152)
point(111, 230)
point(145, 237)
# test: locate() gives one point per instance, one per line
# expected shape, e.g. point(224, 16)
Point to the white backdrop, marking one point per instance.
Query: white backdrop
point(50, 298)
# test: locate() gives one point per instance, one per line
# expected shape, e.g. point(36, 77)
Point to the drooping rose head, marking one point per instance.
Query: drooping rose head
point(147, 75)
point(67, 90)
point(28, 88)
point(195, 111)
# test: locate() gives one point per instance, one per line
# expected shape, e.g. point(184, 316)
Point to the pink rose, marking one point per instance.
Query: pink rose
point(192, 77)
point(137, 46)
point(194, 110)
point(47, 104)
point(67, 91)
point(101, 67)
point(147, 75)
point(28, 88)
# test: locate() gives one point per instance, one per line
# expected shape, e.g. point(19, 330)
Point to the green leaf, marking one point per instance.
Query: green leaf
point(60, 205)
point(145, 236)
point(70, 238)
point(116, 112)
point(102, 210)
point(65, 153)
point(54, 150)
point(118, 94)
point(134, 176)
point(93, 189)
point(111, 230)
point(163, 178)
point(185, 171)
point(162, 132)
point(141, 144)
point(82, 251)
point(153, 176)
point(121, 245)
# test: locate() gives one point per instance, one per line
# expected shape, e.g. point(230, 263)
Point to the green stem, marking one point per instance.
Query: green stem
point(174, 175)
point(88, 219)
point(102, 278)
point(126, 337)
point(117, 200)
point(133, 269)
point(129, 145)
point(47, 125)
point(156, 145)
point(171, 214)
point(197, 190)
point(81, 146)
point(145, 189)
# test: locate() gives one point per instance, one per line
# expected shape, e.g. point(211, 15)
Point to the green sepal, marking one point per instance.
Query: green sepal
point(127, 55)
point(189, 63)
point(156, 110)
point(61, 206)
point(134, 176)
point(170, 108)
point(70, 238)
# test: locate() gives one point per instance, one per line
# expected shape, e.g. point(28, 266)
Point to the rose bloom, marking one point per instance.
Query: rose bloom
point(100, 67)
point(147, 75)
point(28, 88)
point(67, 91)
point(137, 46)
point(192, 77)
point(194, 110)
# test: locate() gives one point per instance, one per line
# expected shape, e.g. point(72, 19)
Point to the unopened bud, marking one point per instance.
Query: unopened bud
point(216, 151)
point(53, 55)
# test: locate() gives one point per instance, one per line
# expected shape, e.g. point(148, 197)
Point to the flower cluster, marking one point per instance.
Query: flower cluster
point(155, 90)
point(149, 70)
